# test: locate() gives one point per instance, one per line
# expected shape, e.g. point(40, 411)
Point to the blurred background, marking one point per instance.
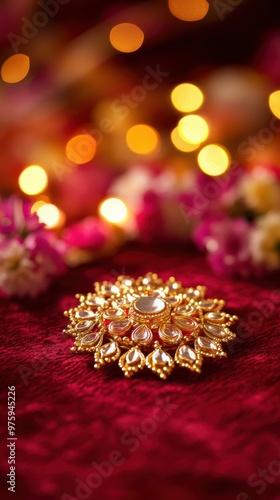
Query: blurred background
point(150, 121)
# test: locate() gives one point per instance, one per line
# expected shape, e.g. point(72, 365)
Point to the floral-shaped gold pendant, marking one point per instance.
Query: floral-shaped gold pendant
point(149, 322)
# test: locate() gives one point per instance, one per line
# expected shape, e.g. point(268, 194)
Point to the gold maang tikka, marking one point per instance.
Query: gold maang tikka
point(148, 322)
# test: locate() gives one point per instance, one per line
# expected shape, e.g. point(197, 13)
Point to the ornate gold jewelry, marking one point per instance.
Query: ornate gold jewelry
point(149, 322)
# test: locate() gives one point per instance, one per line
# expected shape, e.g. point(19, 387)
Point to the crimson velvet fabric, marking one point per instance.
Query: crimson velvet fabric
point(92, 434)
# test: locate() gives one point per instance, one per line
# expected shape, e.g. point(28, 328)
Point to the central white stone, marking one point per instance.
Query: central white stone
point(149, 305)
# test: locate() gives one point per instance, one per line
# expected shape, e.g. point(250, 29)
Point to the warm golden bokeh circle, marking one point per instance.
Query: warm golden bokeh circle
point(126, 37)
point(188, 10)
point(15, 68)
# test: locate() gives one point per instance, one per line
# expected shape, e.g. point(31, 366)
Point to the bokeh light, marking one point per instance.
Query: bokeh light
point(51, 215)
point(193, 129)
point(213, 159)
point(274, 103)
point(126, 37)
point(180, 144)
point(142, 139)
point(35, 207)
point(33, 180)
point(81, 148)
point(113, 210)
point(188, 10)
point(15, 68)
point(187, 97)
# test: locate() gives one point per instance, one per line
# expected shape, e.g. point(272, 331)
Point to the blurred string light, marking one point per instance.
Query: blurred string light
point(50, 215)
point(15, 68)
point(81, 149)
point(142, 139)
point(187, 97)
point(188, 10)
point(214, 159)
point(33, 180)
point(126, 37)
point(274, 103)
point(113, 210)
point(193, 129)
point(180, 143)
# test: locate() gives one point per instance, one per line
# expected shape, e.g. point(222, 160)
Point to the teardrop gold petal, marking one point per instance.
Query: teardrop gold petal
point(119, 327)
point(114, 313)
point(208, 348)
point(160, 362)
point(107, 353)
point(132, 361)
point(95, 302)
point(188, 358)
point(218, 332)
point(174, 300)
point(185, 310)
point(90, 342)
point(170, 334)
point(83, 314)
point(215, 317)
point(142, 335)
point(84, 326)
point(186, 324)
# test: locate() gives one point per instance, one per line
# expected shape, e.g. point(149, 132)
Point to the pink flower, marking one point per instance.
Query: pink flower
point(27, 267)
point(30, 256)
point(16, 218)
point(210, 194)
point(86, 238)
point(227, 242)
point(90, 233)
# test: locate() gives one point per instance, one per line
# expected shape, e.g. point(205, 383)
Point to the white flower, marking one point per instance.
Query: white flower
point(265, 241)
point(18, 273)
point(133, 184)
point(261, 190)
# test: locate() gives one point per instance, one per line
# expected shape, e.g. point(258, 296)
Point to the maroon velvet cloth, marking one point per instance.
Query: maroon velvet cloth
point(218, 434)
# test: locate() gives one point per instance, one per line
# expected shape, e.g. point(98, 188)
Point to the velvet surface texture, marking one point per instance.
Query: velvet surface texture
point(92, 434)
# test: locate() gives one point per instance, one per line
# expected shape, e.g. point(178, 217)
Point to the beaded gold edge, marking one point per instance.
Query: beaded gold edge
point(148, 322)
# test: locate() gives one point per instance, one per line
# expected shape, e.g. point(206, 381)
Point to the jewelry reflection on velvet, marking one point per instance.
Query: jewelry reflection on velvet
point(149, 322)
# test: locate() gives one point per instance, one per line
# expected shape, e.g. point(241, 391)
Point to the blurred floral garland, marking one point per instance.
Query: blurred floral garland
point(235, 219)
point(240, 229)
